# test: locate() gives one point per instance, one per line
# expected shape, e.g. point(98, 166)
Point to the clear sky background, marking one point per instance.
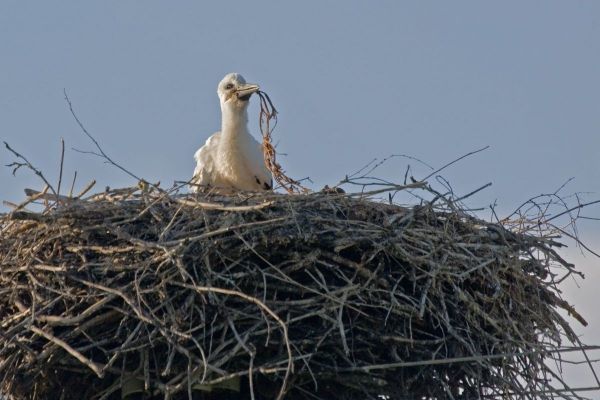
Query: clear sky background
point(353, 81)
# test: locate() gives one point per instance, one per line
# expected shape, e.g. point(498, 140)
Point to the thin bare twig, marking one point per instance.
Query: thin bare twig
point(101, 152)
point(453, 162)
point(62, 161)
point(17, 165)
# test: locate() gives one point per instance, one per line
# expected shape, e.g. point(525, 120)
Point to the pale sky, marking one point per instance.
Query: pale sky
point(352, 80)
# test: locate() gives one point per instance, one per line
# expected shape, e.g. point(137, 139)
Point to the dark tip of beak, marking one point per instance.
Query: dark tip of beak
point(245, 92)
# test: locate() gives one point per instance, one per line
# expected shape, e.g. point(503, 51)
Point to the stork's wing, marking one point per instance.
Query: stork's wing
point(205, 162)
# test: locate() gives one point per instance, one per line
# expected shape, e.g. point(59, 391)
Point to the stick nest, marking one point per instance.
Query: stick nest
point(323, 295)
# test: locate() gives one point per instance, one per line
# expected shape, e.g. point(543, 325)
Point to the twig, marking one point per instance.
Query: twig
point(263, 307)
point(97, 368)
point(453, 162)
point(101, 153)
point(62, 161)
point(268, 113)
point(454, 360)
point(73, 184)
point(27, 164)
point(577, 207)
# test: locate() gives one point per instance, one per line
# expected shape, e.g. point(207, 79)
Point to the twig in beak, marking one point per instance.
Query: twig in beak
point(268, 113)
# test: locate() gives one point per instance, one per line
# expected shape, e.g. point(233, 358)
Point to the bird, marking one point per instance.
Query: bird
point(232, 158)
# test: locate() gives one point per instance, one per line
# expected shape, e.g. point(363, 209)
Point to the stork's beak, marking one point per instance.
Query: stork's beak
point(245, 91)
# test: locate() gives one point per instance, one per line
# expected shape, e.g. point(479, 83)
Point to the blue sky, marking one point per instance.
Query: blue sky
point(352, 80)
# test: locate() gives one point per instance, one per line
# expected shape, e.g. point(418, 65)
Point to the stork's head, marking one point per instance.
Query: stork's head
point(234, 92)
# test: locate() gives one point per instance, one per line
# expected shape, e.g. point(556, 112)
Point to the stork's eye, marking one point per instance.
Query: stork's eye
point(229, 86)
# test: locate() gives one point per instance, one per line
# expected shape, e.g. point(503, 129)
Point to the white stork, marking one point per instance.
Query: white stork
point(232, 158)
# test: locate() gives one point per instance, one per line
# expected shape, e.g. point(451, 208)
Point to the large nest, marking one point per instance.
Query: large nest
point(324, 295)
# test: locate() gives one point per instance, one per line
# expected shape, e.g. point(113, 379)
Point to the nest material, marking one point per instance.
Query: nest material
point(328, 296)
point(267, 114)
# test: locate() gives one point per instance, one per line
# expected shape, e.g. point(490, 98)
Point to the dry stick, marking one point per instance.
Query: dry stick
point(252, 353)
point(483, 357)
point(373, 164)
point(45, 196)
point(546, 222)
point(137, 310)
point(219, 231)
point(77, 331)
point(102, 154)
point(66, 321)
point(10, 204)
point(86, 189)
point(62, 161)
point(97, 368)
point(27, 164)
point(73, 184)
point(543, 392)
point(415, 185)
point(578, 241)
point(31, 199)
point(577, 207)
point(473, 192)
point(223, 207)
point(533, 199)
point(454, 161)
point(341, 323)
point(287, 279)
point(268, 113)
point(264, 307)
point(587, 359)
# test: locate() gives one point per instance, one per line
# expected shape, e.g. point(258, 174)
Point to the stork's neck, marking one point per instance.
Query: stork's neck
point(234, 122)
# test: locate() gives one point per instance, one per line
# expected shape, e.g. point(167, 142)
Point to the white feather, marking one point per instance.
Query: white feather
point(232, 158)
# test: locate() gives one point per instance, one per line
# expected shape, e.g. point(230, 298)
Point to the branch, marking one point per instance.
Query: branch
point(454, 161)
point(27, 164)
point(101, 153)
